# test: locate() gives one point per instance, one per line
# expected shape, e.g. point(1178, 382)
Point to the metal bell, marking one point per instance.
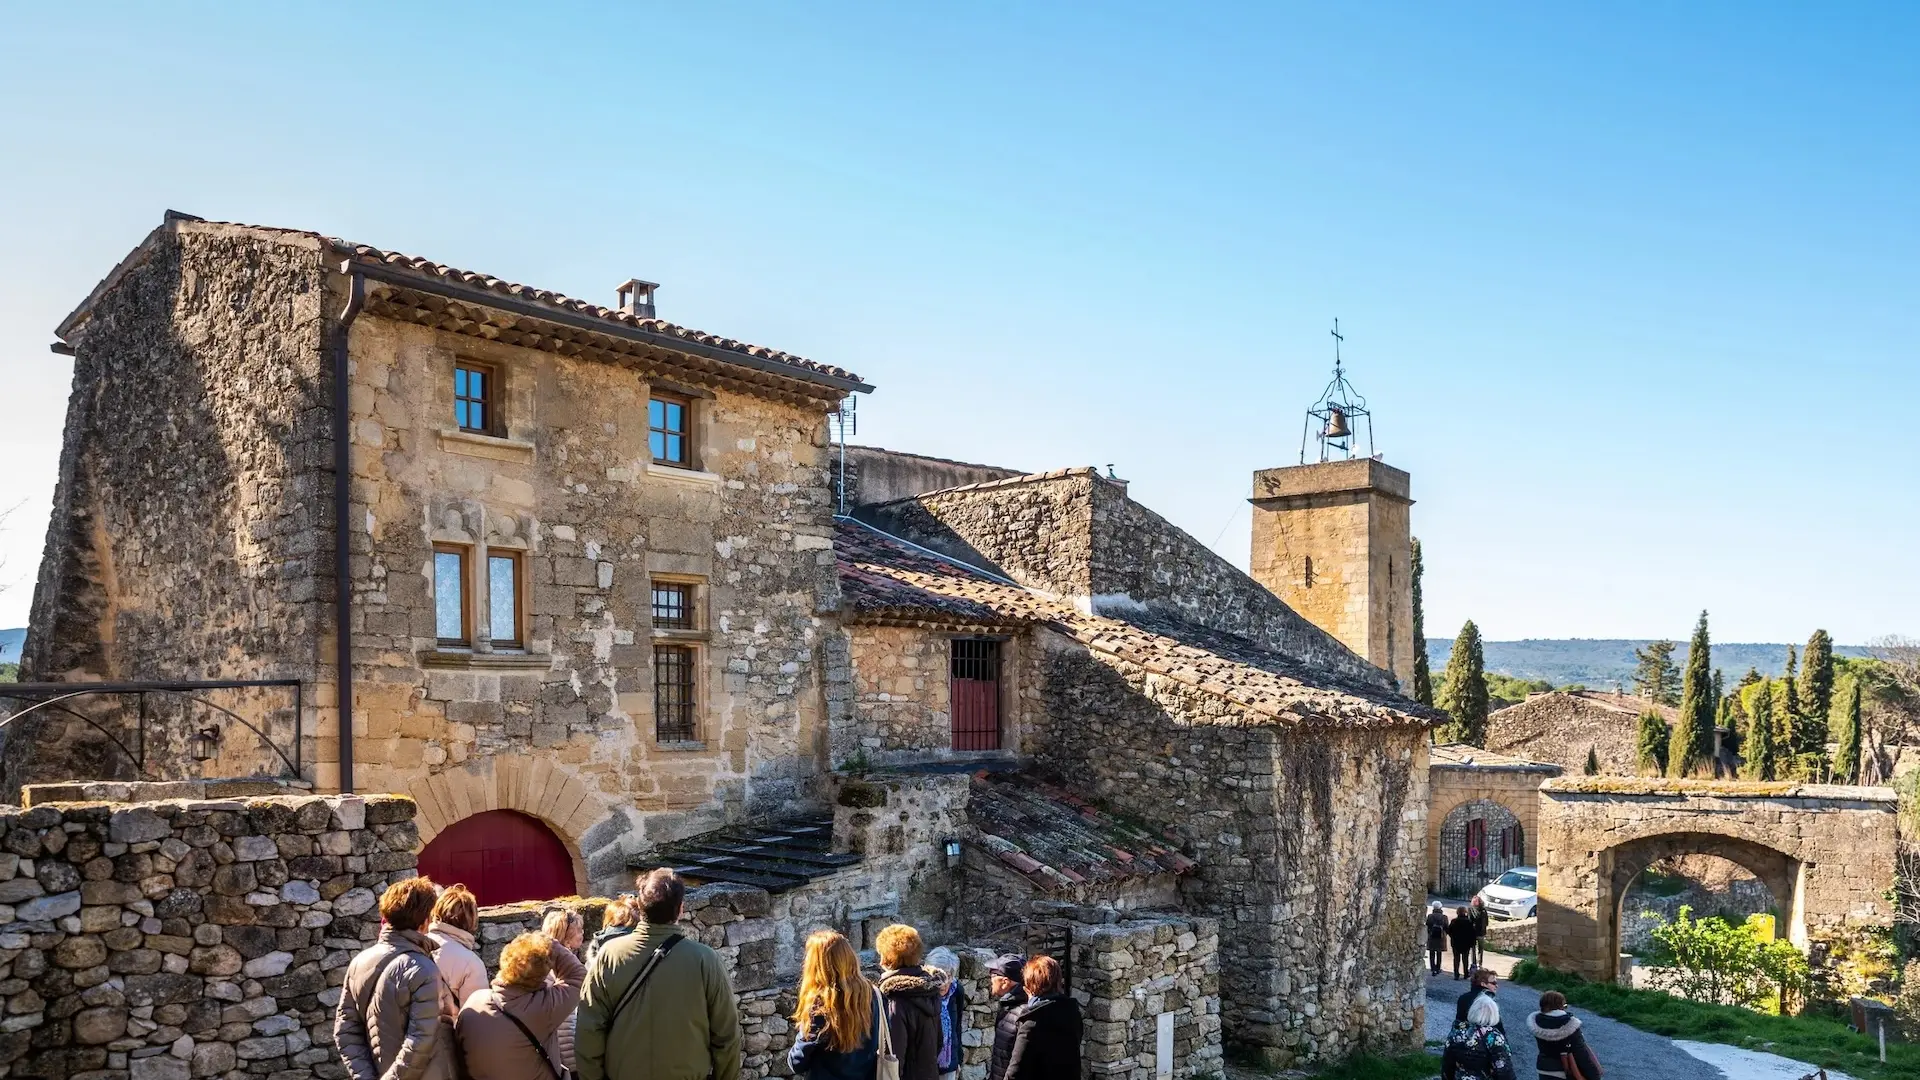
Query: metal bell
point(1337, 427)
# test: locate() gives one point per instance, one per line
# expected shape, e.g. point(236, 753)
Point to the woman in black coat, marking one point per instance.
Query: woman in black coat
point(1436, 936)
point(1557, 1033)
point(1046, 1045)
point(1461, 934)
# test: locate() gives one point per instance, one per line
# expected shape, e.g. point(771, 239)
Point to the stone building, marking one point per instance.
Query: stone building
point(1560, 726)
point(601, 614)
point(1483, 816)
point(586, 549)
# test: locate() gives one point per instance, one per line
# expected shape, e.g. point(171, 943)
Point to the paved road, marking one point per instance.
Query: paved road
point(1623, 1051)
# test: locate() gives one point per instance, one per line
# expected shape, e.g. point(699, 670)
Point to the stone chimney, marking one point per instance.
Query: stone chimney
point(636, 298)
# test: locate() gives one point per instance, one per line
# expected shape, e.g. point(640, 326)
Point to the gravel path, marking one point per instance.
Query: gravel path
point(1623, 1051)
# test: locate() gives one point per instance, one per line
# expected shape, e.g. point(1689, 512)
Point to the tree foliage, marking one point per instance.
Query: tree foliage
point(1846, 756)
point(1650, 744)
point(1728, 963)
point(1759, 741)
point(1654, 676)
point(1422, 668)
point(1816, 686)
point(1463, 689)
point(1692, 749)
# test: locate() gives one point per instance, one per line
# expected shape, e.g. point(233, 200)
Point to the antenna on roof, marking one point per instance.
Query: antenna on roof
point(846, 421)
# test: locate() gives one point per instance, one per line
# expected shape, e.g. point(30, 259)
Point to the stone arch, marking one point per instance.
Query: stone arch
point(1623, 863)
point(1456, 873)
point(1449, 790)
point(534, 786)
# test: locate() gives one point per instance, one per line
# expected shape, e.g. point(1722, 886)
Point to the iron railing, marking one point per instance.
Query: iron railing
point(132, 739)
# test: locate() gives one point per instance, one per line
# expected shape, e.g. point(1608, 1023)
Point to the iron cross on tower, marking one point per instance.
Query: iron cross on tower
point(1332, 419)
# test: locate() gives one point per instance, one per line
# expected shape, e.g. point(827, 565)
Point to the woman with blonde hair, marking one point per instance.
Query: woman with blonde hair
point(838, 1036)
point(568, 928)
point(621, 916)
point(507, 1032)
point(456, 919)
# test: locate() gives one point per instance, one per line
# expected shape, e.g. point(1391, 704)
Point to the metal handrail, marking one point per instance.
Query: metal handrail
point(53, 696)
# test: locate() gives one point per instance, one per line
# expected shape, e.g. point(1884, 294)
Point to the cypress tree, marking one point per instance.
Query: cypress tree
point(1719, 690)
point(1846, 759)
point(1463, 689)
point(1728, 720)
point(1692, 748)
point(1650, 744)
point(1422, 670)
point(1593, 763)
point(1653, 675)
point(1784, 764)
point(1760, 732)
point(1816, 695)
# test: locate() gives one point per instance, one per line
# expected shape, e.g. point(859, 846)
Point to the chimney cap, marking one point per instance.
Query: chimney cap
point(636, 297)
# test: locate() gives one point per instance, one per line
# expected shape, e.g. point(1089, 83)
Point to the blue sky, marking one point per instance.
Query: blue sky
point(1633, 290)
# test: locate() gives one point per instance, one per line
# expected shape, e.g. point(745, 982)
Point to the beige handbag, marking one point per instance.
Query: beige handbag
point(886, 1065)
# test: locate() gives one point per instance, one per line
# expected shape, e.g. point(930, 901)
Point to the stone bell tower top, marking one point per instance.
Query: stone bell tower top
point(1334, 538)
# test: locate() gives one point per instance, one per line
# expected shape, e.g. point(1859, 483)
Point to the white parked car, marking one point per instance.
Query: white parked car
point(1514, 894)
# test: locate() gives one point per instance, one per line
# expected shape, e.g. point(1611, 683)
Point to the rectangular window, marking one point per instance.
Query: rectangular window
point(667, 431)
point(673, 693)
point(473, 397)
point(451, 613)
point(672, 606)
point(503, 598)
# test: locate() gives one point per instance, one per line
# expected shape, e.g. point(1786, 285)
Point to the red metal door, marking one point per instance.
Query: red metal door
point(501, 855)
point(974, 693)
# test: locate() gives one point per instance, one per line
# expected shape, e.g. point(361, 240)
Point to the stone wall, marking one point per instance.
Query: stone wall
point(1308, 846)
point(1560, 727)
point(1514, 790)
point(1075, 534)
point(900, 706)
point(197, 938)
point(1826, 852)
point(874, 475)
point(192, 503)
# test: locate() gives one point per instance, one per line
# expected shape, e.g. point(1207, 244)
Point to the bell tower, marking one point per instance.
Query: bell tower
point(1333, 537)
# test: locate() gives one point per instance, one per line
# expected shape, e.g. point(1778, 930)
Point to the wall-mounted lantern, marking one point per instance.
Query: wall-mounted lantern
point(204, 744)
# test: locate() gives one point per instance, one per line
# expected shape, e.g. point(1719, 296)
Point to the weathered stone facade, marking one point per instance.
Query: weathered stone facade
point(1562, 725)
point(1334, 540)
point(1826, 853)
point(1464, 782)
point(192, 535)
point(194, 938)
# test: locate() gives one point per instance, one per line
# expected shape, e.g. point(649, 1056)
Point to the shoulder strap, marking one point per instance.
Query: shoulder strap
point(885, 1034)
point(372, 985)
point(539, 1047)
point(640, 980)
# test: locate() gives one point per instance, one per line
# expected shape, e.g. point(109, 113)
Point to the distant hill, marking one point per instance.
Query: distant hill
point(1599, 663)
point(10, 645)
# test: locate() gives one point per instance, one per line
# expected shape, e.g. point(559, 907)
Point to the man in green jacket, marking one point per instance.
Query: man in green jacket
point(681, 1025)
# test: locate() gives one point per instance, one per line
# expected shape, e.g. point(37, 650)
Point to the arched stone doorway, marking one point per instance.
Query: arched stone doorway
point(1479, 840)
point(503, 856)
point(1780, 873)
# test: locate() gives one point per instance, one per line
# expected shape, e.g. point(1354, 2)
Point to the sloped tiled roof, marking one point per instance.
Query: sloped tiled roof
point(799, 366)
point(1057, 839)
point(884, 579)
point(1463, 756)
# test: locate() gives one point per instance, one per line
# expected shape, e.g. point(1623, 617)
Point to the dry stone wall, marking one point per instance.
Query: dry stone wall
point(188, 939)
point(1295, 834)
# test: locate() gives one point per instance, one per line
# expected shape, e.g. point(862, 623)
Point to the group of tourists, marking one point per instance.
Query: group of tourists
point(642, 1001)
point(1466, 932)
point(1477, 1047)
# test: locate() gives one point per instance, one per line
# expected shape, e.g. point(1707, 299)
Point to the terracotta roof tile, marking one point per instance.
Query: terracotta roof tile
point(885, 579)
point(1056, 839)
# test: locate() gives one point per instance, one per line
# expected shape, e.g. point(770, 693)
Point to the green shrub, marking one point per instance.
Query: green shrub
point(1728, 963)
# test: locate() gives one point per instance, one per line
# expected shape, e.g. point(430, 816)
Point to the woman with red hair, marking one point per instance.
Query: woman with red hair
point(1047, 1045)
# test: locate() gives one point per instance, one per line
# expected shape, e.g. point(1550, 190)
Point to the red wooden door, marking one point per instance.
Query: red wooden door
point(501, 855)
point(974, 694)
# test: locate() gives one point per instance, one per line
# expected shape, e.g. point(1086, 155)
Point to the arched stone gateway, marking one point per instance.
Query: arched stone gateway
point(1480, 839)
point(1825, 852)
point(588, 824)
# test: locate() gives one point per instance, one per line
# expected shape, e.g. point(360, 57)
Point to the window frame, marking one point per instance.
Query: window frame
point(689, 730)
point(463, 552)
point(687, 459)
point(519, 562)
point(489, 398)
point(689, 603)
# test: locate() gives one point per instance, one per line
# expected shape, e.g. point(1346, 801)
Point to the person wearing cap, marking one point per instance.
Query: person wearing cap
point(1003, 979)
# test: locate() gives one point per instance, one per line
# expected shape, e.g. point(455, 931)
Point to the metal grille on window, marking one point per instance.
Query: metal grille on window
point(673, 606)
point(975, 694)
point(673, 697)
